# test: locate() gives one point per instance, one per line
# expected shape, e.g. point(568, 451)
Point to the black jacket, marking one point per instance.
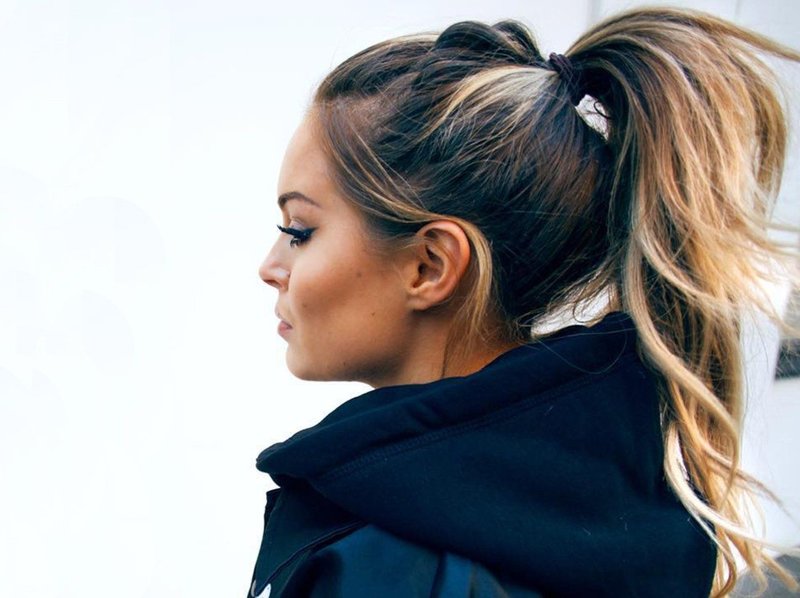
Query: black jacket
point(540, 474)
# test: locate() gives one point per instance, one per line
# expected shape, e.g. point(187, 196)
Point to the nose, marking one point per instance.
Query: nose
point(273, 271)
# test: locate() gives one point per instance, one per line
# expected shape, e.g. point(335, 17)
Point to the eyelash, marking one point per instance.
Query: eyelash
point(299, 236)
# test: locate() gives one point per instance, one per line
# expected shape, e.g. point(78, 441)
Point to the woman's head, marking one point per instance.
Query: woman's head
point(474, 129)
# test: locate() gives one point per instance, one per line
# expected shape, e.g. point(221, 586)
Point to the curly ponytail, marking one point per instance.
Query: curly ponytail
point(699, 138)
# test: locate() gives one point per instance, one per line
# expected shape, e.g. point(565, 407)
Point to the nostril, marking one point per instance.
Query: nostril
point(274, 283)
point(273, 274)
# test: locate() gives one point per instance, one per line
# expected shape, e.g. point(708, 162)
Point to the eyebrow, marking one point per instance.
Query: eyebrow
point(284, 197)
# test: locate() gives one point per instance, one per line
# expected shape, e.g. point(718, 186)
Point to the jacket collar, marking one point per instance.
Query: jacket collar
point(395, 414)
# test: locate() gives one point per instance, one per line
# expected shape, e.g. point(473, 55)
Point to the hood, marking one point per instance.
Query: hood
point(545, 465)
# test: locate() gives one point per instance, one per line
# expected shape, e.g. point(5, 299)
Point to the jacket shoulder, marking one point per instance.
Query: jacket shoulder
point(372, 562)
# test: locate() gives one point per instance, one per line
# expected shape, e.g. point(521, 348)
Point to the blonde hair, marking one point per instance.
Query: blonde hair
point(660, 197)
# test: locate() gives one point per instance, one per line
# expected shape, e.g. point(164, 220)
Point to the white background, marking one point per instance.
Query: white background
point(140, 371)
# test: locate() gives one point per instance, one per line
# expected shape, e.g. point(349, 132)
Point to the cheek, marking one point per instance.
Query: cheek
point(324, 294)
point(347, 314)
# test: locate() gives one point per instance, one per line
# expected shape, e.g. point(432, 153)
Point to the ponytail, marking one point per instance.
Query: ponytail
point(698, 137)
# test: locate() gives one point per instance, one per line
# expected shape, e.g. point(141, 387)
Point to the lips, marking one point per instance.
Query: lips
point(283, 325)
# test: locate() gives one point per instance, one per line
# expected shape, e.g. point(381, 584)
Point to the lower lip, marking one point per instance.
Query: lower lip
point(283, 328)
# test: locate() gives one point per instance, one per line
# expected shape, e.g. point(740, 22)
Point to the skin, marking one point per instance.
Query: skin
point(349, 311)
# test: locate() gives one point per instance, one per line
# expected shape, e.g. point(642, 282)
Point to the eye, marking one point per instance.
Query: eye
point(299, 235)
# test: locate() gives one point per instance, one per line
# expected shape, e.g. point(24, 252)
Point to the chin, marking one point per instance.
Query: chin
point(302, 369)
point(299, 370)
point(314, 371)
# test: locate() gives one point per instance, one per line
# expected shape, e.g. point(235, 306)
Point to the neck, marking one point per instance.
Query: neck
point(434, 356)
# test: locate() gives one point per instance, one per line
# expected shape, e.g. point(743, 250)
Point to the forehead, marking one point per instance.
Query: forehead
point(305, 167)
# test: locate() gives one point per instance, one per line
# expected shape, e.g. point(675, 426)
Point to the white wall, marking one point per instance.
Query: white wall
point(140, 372)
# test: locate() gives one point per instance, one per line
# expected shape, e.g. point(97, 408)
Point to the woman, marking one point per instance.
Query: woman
point(445, 200)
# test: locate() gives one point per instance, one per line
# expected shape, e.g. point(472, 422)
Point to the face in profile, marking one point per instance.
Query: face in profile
point(341, 303)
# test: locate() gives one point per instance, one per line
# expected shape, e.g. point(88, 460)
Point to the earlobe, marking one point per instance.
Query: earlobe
point(441, 258)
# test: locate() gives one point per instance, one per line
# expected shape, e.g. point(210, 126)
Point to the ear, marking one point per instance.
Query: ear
point(439, 261)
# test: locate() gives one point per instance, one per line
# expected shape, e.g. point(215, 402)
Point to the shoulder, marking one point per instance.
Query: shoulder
point(372, 562)
point(311, 547)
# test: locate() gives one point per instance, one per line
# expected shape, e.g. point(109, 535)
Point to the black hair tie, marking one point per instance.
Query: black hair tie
point(563, 66)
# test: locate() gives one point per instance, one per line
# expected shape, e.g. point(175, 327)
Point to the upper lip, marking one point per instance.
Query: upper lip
point(280, 317)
